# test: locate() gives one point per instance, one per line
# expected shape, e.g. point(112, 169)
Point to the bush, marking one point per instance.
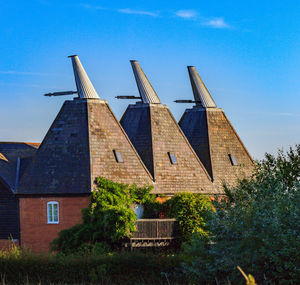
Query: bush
point(118, 268)
point(192, 211)
point(256, 227)
point(108, 219)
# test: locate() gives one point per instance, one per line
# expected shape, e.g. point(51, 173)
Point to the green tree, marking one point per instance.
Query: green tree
point(257, 226)
point(192, 211)
point(108, 219)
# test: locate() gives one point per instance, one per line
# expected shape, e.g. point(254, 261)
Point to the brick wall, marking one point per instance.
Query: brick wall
point(35, 232)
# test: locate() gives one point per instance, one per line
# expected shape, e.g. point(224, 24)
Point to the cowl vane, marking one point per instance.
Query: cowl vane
point(146, 90)
point(201, 94)
point(84, 86)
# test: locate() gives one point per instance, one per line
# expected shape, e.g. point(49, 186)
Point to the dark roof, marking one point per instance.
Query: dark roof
point(154, 131)
point(138, 129)
point(194, 126)
point(9, 154)
point(61, 164)
point(215, 140)
point(79, 147)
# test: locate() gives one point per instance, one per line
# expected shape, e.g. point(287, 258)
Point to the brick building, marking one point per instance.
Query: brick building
point(44, 188)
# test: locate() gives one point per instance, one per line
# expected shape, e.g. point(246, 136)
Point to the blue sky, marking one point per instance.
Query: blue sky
point(247, 53)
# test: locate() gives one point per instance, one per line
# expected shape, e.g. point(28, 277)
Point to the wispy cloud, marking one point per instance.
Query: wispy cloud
point(186, 14)
point(137, 12)
point(13, 72)
point(217, 23)
point(88, 6)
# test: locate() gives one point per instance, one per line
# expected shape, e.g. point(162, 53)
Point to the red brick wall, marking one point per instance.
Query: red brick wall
point(36, 234)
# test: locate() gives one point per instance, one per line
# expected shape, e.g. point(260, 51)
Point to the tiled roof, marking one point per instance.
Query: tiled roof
point(9, 154)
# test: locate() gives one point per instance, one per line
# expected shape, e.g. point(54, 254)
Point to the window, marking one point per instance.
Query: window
point(172, 158)
point(233, 160)
point(118, 156)
point(52, 212)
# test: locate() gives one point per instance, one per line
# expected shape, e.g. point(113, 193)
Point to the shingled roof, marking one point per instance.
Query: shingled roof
point(85, 141)
point(213, 138)
point(161, 144)
point(14, 157)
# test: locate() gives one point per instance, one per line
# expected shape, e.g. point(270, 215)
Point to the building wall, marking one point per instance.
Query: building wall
point(9, 213)
point(36, 234)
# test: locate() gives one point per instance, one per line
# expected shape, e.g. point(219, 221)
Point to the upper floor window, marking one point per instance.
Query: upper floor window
point(118, 156)
point(172, 158)
point(233, 160)
point(52, 212)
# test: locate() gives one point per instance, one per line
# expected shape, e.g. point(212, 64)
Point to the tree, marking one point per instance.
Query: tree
point(257, 226)
point(192, 211)
point(108, 219)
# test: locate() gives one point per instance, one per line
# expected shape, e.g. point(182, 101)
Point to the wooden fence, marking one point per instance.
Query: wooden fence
point(153, 233)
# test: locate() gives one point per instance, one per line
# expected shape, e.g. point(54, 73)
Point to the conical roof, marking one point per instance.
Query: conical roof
point(201, 94)
point(146, 90)
point(85, 141)
point(84, 86)
point(213, 138)
point(163, 147)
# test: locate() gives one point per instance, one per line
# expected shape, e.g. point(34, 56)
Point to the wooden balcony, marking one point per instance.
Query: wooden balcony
point(153, 233)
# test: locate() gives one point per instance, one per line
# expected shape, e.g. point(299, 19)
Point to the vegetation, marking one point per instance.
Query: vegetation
point(107, 221)
point(256, 227)
point(192, 211)
point(21, 267)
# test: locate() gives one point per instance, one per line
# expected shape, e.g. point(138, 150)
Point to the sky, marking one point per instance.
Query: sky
point(247, 53)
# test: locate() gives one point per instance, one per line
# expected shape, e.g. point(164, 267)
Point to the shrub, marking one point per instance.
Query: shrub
point(256, 227)
point(108, 218)
point(117, 268)
point(192, 211)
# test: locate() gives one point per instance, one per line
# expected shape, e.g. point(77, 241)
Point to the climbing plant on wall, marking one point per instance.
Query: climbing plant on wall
point(108, 219)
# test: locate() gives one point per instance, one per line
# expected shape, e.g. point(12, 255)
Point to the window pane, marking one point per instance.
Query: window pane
point(55, 213)
point(233, 160)
point(118, 156)
point(50, 213)
point(172, 158)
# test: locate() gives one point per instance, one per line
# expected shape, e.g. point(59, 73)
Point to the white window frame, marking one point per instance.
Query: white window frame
point(50, 207)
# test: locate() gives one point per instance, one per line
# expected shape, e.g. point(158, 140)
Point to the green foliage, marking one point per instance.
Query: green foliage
point(256, 227)
point(108, 219)
point(118, 268)
point(192, 211)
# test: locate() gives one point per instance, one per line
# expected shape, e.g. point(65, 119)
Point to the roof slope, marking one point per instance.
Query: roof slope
point(9, 154)
point(61, 164)
point(82, 144)
point(78, 148)
point(215, 141)
point(156, 136)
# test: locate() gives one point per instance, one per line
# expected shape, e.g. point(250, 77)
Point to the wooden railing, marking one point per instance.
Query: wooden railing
point(153, 233)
